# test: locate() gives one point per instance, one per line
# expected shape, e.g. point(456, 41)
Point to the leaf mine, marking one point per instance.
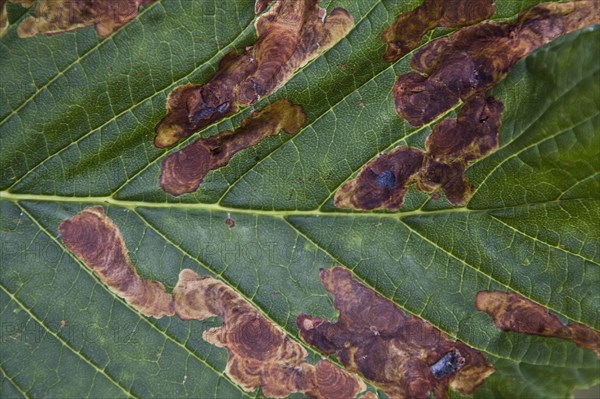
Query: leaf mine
point(260, 353)
point(478, 57)
point(290, 34)
point(382, 183)
point(98, 243)
point(515, 313)
point(453, 143)
point(406, 32)
point(401, 354)
point(57, 16)
point(184, 170)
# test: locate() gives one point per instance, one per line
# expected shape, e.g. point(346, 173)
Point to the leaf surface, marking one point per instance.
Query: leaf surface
point(77, 117)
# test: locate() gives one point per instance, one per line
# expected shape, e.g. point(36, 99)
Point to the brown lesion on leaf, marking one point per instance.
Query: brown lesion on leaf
point(401, 354)
point(98, 243)
point(406, 32)
point(260, 353)
point(382, 183)
point(477, 57)
point(290, 34)
point(184, 170)
point(452, 145)
point(515, 313)
point(57, 16)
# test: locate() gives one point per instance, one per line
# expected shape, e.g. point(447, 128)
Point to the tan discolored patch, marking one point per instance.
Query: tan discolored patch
point(401, 354)
point(369, 395)
point(515, 313)
point(184, 170)
point(260, 353)
point(57, 16)
point(476, 58)
point(406, 32)
point(290, 34)
point(453, 143)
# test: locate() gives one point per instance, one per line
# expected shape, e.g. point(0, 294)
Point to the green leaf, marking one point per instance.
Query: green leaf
point(77, 114)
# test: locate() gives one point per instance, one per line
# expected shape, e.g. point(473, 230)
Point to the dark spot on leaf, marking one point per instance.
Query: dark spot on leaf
point(230, 222)
point(261, 355)
point(447, 365)
point(406, 32)
point(515, 313)
point(386, 179)
point(56, 16)
point(184, 170)
point(392, 349)
point(290, 34)
point(207, 113)
point(476, 58)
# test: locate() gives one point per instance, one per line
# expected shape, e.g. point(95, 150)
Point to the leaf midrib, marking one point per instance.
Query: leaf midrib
point(284, 215)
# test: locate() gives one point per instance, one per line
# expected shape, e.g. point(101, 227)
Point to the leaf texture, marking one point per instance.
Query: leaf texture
point(77, 118)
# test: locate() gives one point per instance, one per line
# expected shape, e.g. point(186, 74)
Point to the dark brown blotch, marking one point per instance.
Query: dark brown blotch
point(406, 32)
point(184, 170)
point(473, 135)
point(56, 16)
point(515, 313)
point(255, 337)
point(394, 350)
point(478, 57)
point(290, 34)
point(382, 184)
